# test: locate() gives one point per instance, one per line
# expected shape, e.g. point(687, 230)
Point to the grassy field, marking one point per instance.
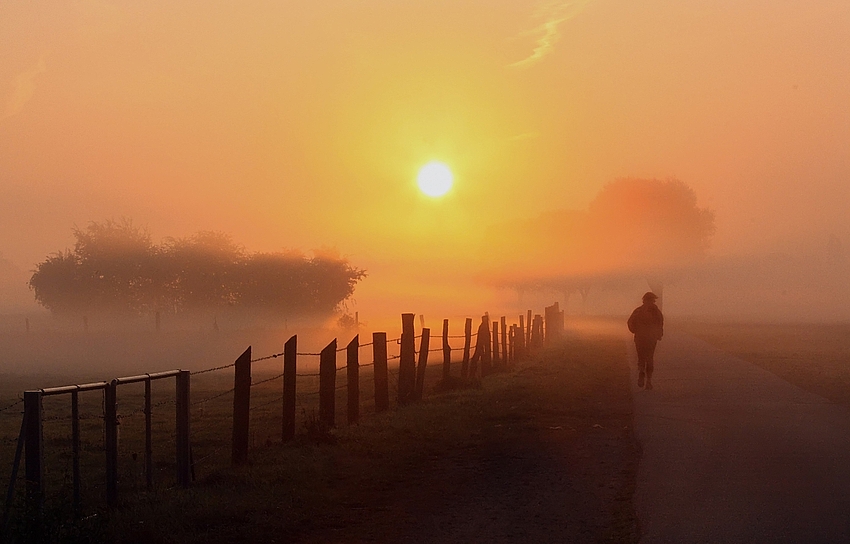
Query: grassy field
point(545, 452)
point(815, 357)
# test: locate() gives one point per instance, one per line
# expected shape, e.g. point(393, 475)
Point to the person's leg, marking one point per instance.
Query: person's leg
point(650, 361)
point(641, 361)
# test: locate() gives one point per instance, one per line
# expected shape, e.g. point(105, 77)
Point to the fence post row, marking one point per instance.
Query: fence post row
point(290, 348)
point(327, 385)
point(424, 345)
point(352, 368)
point(407, 361)
point(379, 358)
point(516, 341)
point(241, 408)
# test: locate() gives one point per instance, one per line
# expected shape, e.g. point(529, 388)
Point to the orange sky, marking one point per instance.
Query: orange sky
point(302, 124)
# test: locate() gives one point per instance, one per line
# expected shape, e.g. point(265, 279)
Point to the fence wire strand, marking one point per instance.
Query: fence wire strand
point(223, 393)
point(9, 407)
point(195, 373)
point(273, 378)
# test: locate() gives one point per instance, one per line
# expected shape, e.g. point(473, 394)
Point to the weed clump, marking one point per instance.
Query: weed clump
point(317, 430)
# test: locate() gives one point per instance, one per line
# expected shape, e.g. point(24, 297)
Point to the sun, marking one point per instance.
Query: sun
point(435, 179)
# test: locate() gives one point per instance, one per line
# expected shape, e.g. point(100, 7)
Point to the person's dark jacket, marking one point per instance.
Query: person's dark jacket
point(647, 322)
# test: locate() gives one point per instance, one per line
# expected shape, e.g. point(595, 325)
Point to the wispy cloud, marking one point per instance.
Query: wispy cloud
point(552, 15)
point(23, 87)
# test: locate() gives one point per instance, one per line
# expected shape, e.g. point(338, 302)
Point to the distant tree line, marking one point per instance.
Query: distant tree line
point(115, 267)
point(648, 228)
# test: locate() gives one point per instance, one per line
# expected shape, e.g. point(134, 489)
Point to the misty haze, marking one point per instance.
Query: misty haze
point(547, 271)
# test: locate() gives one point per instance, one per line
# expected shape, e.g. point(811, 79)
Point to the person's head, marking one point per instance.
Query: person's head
point(649, 297)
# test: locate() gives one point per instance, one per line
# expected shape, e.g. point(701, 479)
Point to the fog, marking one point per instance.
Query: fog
point(302, 126)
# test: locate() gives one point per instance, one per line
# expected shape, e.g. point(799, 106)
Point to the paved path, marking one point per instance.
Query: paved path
point(732, 453)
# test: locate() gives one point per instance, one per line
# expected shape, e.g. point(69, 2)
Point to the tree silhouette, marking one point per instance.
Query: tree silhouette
point(647, 228)
point(115, 267)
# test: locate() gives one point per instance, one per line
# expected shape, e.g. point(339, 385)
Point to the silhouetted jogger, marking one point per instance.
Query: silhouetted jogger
point(647, 324)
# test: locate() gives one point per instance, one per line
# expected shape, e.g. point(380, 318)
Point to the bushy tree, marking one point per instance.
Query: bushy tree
point(115, 267)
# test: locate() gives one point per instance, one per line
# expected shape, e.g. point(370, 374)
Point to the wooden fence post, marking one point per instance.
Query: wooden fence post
point(327, 385)
point(184, 462)
point(497, 353)
point(521, 337)
point(447, 353)
point(541, 330)
point(496, 358)
point(537, 333)
point(241, 408)
point(554, 323)
point(352, 371)
point(75, 452)
point(467, 343)
point(34, 458)
point(379, 358)
point(407, 361)
point(424, 345)
point(504, 328)
point(110, 424)
point(486, 346)
point(290, 361)
point(512, 347)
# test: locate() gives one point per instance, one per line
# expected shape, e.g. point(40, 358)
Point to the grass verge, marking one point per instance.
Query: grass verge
point(810, 355)
point(541, 454)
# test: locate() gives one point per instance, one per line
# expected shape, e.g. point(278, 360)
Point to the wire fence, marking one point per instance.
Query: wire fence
point(145, 451)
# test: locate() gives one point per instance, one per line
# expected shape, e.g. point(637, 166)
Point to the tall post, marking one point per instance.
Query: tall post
point(467, 344)
point(554, 323)
point(528, 331)
point(521, 337)
point(486, 346)
point(496, 359)
point(504, 328)
point(75, 451)
point(184, 462)
point(511, 346)
point(290, 348)
point(34, 458)
point(447, 352)
point(407, 361)
point(148, 436)
point(241, 408)
point(110, 424)
point(327, 385)
point(424, 345)
point(352, 371)
point(379, 358)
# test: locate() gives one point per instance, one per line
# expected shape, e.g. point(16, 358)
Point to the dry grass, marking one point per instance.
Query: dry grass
point(815, 357)
point(543, 451)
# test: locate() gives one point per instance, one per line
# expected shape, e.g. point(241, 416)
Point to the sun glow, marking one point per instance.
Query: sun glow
point(435, 179)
